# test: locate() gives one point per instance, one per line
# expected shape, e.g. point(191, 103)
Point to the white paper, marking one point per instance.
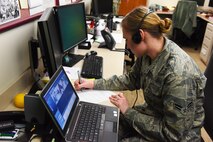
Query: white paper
point(117, 20)
point(35, 3)
point(36, 10)
point(23, 4)
point(95, 96)
point(37, 7)
point(48, 3)
point(72, 72)
point(64, 2)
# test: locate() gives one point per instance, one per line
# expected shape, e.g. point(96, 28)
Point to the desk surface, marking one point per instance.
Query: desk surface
point(207, 19)
point(113, 61)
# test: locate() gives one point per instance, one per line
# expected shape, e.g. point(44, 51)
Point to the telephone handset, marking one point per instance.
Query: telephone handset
point(109, 40)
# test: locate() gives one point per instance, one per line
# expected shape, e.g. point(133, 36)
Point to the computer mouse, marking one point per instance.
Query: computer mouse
point(94, 53)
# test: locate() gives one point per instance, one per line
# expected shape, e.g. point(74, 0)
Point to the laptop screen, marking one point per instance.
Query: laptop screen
point(60, 99)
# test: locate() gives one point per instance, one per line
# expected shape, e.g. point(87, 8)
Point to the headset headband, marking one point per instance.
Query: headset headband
point(142, 20)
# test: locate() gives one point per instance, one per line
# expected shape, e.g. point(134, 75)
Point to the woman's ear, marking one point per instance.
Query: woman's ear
point(142, 34)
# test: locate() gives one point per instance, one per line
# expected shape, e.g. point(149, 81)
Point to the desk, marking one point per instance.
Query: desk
point(170, 13)
point(164, 12)
point(113, 61)
point(203, 17)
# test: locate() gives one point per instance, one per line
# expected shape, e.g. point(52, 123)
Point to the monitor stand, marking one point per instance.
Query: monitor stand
point(71, 59)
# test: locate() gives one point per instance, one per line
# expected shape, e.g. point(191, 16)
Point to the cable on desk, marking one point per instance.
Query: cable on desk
point(136, 98)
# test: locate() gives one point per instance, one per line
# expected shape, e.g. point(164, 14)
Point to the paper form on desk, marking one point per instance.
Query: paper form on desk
point(94, 96)
point(72, 72)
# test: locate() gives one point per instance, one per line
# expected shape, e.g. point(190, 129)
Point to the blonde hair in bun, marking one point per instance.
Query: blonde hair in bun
point(165, 25)
point(153, 24)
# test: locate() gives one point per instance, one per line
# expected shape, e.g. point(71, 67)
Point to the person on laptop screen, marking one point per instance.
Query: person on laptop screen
point(171, 81)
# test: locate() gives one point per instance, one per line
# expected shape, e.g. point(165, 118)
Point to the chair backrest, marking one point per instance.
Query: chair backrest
point(185, 16)
point(208, 101)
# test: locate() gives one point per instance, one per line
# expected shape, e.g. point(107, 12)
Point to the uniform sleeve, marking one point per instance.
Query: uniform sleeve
point(178, 112)
point(128, 81)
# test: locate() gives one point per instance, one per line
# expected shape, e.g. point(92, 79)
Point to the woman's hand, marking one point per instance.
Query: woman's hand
point(120, 101)
point(85, 84)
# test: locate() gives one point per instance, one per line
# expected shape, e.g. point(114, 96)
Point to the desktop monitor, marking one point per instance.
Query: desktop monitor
point(49, 41)
point(102, 7)
point(72, 25)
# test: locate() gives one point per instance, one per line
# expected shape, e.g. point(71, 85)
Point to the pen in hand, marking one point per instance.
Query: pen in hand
point(79, 79)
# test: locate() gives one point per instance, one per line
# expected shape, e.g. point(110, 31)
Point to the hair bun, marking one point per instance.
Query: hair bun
point(165, 25)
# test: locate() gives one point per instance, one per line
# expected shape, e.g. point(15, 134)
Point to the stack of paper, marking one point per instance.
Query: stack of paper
point(72, 72)
point(95, 96)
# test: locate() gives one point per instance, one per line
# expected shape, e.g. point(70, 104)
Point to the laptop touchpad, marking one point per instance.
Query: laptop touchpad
point(108, 126)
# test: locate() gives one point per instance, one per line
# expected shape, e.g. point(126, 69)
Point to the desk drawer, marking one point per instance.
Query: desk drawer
point(209, 34)
point(203, 55)
point(209, 27)
point(206, 49)
point(208, 42)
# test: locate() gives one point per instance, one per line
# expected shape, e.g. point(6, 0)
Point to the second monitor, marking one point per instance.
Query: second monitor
point(72, 25)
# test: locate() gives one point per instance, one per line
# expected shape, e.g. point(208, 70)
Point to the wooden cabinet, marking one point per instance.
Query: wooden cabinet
point(127, 5)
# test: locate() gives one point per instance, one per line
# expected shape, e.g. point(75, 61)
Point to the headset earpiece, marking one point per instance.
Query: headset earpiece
point(136, 38)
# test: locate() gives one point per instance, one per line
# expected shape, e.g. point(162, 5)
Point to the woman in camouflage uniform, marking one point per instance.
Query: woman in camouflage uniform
point(171, 81)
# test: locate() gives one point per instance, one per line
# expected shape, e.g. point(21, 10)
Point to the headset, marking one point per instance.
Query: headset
point(136, 37)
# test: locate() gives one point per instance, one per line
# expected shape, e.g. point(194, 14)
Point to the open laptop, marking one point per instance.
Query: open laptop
point(78, 121)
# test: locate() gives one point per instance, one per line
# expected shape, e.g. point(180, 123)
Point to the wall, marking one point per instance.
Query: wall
point(163, 2)
point(206, 3)
point(14, 57)
point(87, 6)
point(169, 2)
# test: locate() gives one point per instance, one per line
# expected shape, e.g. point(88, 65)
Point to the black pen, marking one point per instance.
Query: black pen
point(79, 77)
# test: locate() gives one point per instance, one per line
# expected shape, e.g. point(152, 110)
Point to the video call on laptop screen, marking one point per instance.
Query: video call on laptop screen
point(60, 98)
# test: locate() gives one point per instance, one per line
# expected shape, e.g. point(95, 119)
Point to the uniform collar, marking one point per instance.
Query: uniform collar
point(159, 61)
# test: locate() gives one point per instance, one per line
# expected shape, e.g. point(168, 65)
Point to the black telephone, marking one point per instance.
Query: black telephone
point(109, 40)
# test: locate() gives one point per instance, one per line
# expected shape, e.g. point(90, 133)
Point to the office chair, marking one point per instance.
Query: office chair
point(208, 105)
point(184, 21)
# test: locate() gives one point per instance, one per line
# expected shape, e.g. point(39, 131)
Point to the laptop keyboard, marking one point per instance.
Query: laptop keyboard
point(89, 123)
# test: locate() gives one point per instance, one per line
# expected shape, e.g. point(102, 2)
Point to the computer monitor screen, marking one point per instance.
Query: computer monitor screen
point(102, 7)
point(49, 41)
point(72, 25)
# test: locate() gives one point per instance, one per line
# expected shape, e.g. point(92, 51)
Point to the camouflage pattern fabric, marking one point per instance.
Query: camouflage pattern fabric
point(173, 91)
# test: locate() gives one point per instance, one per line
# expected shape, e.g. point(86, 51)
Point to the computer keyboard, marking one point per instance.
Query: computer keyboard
point(89, 123)
point(92, 67)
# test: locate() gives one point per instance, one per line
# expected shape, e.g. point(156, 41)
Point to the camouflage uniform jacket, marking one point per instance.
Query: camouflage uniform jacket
point(173, 91)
